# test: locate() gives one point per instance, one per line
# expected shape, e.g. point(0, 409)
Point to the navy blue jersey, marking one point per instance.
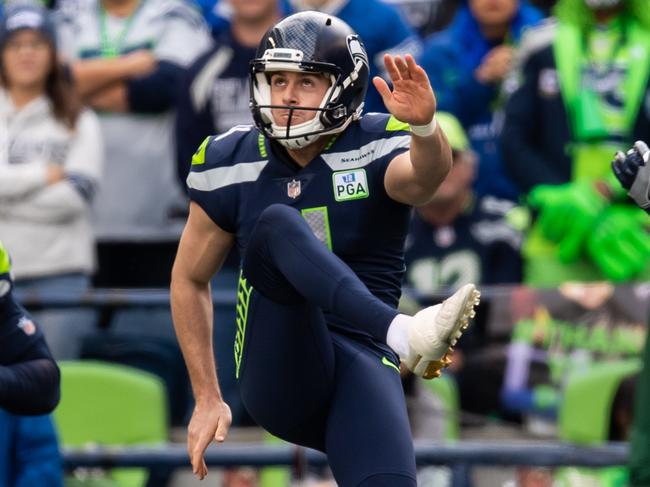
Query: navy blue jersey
point(18, 333)
point(341, 194)
point(481, 246)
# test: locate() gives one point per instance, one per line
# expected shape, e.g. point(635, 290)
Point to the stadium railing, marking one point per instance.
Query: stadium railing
point(461, 457)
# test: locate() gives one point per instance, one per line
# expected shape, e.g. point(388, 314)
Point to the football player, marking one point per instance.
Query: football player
point(317, 199)
point(29, 377)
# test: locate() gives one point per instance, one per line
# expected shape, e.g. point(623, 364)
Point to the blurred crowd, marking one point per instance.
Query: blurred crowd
point(104, 102)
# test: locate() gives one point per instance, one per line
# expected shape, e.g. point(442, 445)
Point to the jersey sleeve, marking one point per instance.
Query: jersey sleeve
point(214, 177)
point(391, 136)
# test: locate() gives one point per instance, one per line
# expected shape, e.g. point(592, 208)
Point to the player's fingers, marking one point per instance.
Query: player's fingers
point(417, 72)
point(391, 68)
point(197, 451)
point(203, 470)
point(402, 67)
point(382, 88)
point(222, 429)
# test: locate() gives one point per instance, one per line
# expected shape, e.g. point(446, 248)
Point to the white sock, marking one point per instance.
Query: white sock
point(397, 337)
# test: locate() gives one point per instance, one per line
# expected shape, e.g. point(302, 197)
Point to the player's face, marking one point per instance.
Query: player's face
point(297, 89)
point(493, 12)
point(254, 10)
point(26, 59)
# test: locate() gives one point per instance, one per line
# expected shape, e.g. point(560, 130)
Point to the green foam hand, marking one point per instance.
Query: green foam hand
point(620, 243)
point(567, 213)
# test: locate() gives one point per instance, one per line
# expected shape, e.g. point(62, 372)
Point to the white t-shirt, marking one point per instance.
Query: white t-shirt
point(139, 186)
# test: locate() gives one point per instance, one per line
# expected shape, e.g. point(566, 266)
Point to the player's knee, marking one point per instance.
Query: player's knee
point(279, 214)
point(388, 480)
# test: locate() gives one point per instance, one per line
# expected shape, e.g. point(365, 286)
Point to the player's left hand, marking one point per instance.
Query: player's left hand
point(412, 99)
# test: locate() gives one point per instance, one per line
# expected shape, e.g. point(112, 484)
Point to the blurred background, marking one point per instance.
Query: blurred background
point(103, 103)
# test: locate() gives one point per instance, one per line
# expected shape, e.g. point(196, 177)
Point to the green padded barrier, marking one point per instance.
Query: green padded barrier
point(444, 388)
point(274, 476)
point(111, 405)
point(587, 401)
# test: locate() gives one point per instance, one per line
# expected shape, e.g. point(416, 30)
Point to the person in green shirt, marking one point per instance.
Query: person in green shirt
point(578, 94)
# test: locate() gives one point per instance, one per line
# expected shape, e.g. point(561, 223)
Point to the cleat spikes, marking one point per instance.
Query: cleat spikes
point(436, 329)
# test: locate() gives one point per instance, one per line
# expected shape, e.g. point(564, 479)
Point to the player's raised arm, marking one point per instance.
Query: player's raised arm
point(201, 252)
point(413, 177)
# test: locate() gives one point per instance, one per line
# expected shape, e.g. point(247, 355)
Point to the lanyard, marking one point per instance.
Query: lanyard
point(111, 48)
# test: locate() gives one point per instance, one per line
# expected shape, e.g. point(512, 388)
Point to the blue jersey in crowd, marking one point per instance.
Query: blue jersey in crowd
point(215, 97)
point(29, 452)
point(450, 58)
point(481, 246)
point(382, 28)
point(341, 194)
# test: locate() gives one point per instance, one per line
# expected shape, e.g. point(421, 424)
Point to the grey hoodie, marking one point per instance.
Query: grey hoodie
point(47, 228)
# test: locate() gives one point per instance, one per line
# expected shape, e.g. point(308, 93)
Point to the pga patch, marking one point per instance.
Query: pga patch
point(350, 185)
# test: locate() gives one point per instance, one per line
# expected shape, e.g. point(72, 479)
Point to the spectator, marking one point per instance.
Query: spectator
point(50, 163)
point(127, 58)
point(29, 453)
point(578, 95)
point(467, 63)
point(215, 95)
point(382, 28)
point(459, 237)
point(218, 14)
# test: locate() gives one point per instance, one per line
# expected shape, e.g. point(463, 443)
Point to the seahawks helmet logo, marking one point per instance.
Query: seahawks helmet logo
point(357, 50)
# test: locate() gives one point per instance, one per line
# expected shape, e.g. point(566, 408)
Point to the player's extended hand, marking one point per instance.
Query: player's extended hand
point(412, 99)
point(210, 421)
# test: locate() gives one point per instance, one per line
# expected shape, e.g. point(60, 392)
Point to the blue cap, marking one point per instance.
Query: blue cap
point(32, 16)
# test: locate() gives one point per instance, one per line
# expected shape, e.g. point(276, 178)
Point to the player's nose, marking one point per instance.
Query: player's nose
point(290, 94)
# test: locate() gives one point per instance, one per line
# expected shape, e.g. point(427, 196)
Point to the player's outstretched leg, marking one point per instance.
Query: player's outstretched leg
point(287, 263)
point(437, 328)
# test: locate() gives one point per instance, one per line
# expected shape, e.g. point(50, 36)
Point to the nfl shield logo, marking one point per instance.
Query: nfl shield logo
point(293, 189)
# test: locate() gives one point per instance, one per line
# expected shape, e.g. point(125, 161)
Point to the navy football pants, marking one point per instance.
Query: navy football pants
point(307, 384)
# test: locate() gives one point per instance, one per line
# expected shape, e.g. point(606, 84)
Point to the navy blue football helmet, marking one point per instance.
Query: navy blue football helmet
point(310, 42)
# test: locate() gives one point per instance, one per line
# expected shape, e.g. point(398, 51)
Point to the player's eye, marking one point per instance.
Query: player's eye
point(278, 81)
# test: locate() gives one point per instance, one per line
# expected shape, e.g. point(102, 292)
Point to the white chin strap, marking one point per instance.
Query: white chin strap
point(599, 4)
point(302, 141)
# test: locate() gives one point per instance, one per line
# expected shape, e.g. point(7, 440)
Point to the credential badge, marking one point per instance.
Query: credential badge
point(293, 188)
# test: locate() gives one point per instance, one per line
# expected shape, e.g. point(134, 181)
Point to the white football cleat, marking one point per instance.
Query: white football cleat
point(437, 328)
